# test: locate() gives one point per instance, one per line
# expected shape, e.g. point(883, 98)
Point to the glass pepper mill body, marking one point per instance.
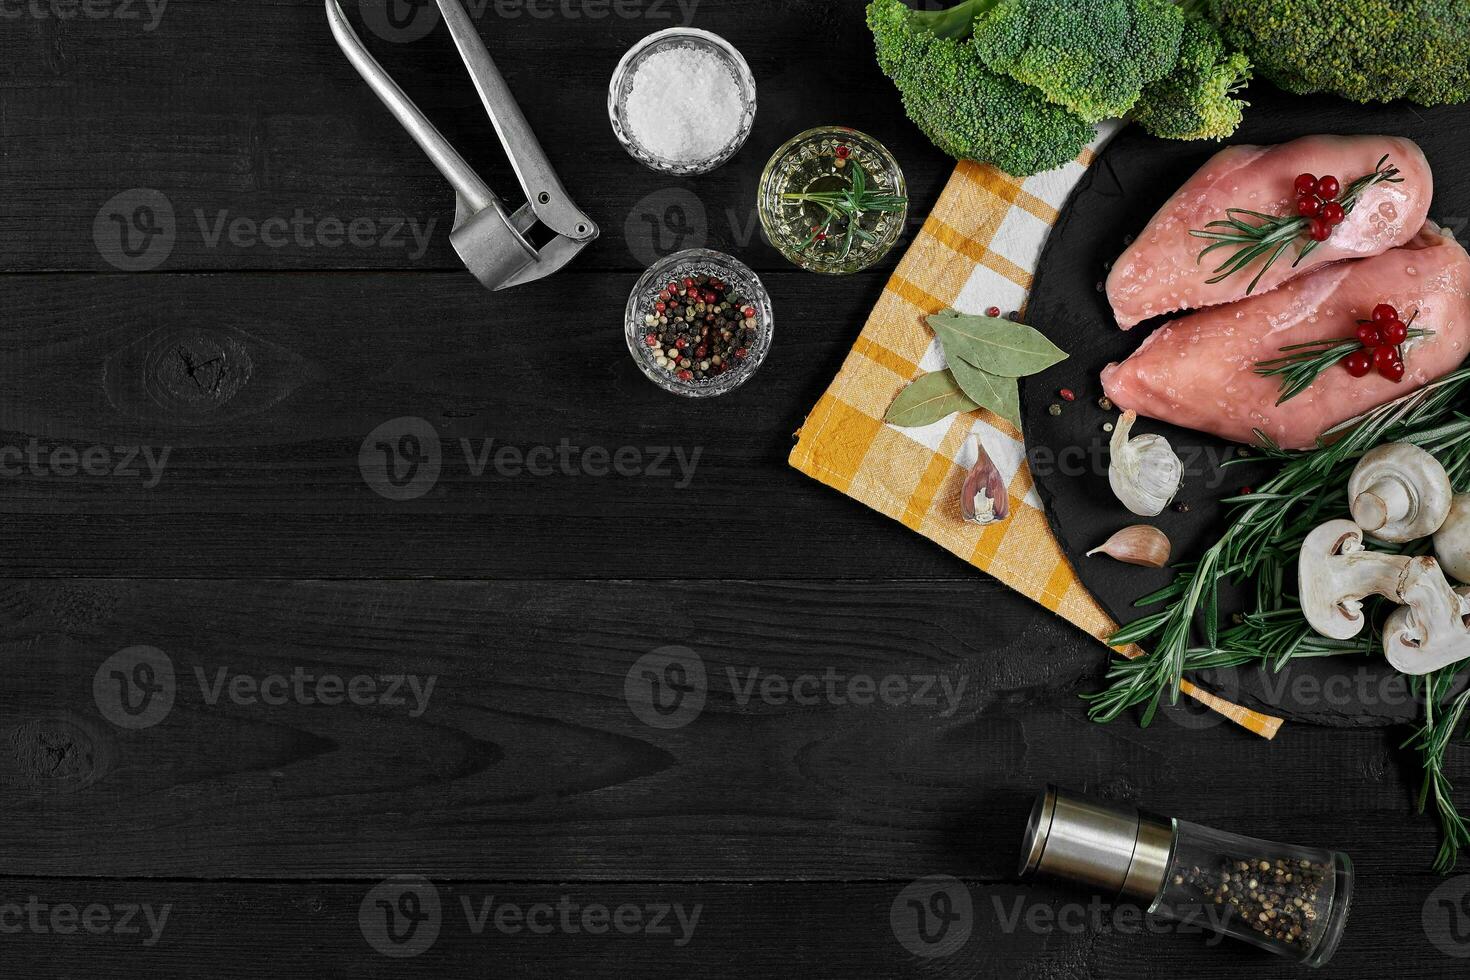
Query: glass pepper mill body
point(1290, 900)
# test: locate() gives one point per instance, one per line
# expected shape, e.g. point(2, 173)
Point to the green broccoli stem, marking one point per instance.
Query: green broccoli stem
point(954, 23)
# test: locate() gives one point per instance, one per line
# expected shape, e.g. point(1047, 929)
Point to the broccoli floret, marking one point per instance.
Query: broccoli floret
point(1095, 58)
point(967, 110)
point(1197, 100)
point(1365, 50)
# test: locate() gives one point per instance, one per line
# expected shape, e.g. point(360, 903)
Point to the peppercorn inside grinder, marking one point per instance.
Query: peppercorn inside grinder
point(1290, 900)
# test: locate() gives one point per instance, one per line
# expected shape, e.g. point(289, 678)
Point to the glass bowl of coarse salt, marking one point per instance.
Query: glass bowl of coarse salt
point(682, 101)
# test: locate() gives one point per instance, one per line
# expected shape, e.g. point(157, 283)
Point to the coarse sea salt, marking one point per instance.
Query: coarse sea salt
point(684, 105)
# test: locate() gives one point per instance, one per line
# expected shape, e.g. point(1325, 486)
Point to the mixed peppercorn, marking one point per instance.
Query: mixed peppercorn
point(698, 328)
point(1281, 900)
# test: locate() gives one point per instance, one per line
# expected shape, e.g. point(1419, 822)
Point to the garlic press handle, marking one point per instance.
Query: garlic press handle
point(548, 199)
point(471, 190)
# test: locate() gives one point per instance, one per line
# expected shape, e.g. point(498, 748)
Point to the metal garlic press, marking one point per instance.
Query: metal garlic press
point(492, 242)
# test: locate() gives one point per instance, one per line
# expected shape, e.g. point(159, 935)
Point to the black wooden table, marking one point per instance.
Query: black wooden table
point(228, 281)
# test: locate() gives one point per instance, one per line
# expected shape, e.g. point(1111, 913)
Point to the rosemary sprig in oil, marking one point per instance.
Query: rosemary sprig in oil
point(848, 206)
point(1273, 235)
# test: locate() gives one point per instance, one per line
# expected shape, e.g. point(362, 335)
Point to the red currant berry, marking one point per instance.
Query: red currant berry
point(1395, 332)
point(1383, 313)
point(1306, 184)
point(1384, 356)
point(1321, 230)
point(1334, 213)
point(1358, 363)
point(1393, 371)
point(1309, 206)
point(1370, 335)
point(1328, 188)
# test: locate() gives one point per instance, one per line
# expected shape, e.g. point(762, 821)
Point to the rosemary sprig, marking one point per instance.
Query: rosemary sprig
point(1266, 530)
point(1275, 233)
point(1432, 742)
point(1304, 363)
point(848, 205)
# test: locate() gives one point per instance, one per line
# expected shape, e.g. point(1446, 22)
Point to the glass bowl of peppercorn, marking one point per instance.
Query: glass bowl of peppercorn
point(699, 323)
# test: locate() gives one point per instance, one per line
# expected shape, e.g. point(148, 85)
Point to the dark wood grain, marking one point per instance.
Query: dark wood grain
point(263, 390)
point(530, 762)
point(768, 930)
point(263, 549)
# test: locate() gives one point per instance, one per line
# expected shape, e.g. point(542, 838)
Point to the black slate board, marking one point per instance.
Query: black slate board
point(1133, 178)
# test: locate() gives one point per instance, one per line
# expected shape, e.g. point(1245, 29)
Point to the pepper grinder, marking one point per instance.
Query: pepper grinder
point(1290, 900)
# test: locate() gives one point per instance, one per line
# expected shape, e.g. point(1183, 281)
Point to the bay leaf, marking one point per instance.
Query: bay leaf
point(1001, 395)
point(931, 397)
point(996, 346)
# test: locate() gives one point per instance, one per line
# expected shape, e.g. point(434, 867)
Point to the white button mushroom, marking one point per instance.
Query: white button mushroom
point(1452, 540)
point(1335, 574)
point(1433, 629)
point(1399, 493)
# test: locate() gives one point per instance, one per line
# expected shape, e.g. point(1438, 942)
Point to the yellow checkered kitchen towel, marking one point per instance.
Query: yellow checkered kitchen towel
point(978, 249)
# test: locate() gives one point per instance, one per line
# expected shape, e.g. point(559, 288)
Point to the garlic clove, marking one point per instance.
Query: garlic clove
point(1137, 545)
point(1144, 472)
point(984, 499)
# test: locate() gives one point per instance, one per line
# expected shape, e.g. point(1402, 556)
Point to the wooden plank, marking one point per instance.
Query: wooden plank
point(263, 391)
point(535, 757)
point(831, 929)
point(264, 146)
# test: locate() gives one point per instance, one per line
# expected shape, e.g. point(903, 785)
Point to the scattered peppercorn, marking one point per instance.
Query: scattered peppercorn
point(993, 312)
point(1068, 395)
point(1181, 508)
point(1107, 427)
point(1105, 403)
point(1055, 409)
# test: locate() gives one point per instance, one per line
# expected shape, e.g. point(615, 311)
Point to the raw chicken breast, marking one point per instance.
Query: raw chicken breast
point(1160, 272)
point(1199, 371)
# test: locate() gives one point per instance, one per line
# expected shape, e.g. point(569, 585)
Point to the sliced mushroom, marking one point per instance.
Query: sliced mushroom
point(1335, 574)
point(1399, 493)
point(1432, 629)
point(1452, 540)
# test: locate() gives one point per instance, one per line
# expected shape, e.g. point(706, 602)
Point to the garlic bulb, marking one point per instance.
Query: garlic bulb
point(1137, 545)
point(1145, 473)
